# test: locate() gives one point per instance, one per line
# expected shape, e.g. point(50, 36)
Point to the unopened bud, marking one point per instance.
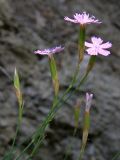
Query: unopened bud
point(89, 98)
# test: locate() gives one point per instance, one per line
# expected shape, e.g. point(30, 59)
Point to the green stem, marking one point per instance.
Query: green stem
point(54, 104)
point(16, 133)
point(52, 111)
point(73, 81)
point(63, 97)
point(24, 151)
point(57, 104)
point(54, 72)
point(116, 156)
point(81, 42)
point(18, 124)
point(41, 136)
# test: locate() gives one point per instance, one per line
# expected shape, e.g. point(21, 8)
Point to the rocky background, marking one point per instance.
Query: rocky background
point(27, 25)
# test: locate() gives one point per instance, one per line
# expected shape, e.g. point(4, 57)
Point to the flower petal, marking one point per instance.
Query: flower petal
point(96, 40)
point(104, 52)
point(42, 52)
point(71, 20)
point(92, 51)
point(106, 45)
point(88, 44)
point(78, 17)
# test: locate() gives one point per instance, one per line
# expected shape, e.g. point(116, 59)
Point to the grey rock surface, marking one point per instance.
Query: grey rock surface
point(27, 25)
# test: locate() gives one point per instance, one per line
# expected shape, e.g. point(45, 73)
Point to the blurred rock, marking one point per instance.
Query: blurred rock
point(29, 25)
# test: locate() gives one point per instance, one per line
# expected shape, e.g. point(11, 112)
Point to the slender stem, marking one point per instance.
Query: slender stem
point(24, 150)
point(17, 130)
point(116, 156)
point(73, 81)
point(16, 133)
point(18, 124)
point(81, 42)
point(43, 126)
point(53, 109)
point(42, 136)
point(49, 117)
point(55, 102)
point(82, 81)
point(54, 74)
point(56, 87)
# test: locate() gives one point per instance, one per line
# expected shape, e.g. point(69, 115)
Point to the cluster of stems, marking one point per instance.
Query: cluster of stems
point(39, 135)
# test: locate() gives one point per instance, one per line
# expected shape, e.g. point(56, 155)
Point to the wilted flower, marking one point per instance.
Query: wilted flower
point(82, 19)
point(97, 47)
point(49, 51)
point(89, 98)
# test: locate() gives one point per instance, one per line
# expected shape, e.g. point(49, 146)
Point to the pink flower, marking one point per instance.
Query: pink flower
point(89, 98)
point(49, 51)
point(82, 19)
point(97, 47)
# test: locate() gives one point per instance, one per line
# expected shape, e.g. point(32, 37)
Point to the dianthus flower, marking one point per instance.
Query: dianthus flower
point(82, 19)
point(49, 51)
point(97, 47)
point(89, 98)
